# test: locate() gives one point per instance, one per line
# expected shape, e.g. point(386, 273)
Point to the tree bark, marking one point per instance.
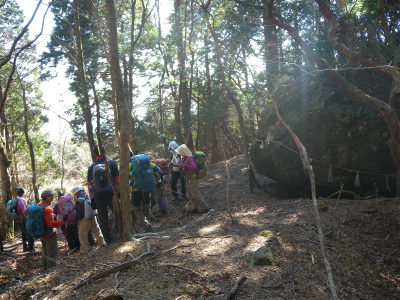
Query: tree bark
point(82, 75)
point(124, 124)
point(30, 146)
point(231, 97)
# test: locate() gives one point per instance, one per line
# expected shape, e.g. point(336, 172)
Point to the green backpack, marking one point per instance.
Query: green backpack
point(201, 166)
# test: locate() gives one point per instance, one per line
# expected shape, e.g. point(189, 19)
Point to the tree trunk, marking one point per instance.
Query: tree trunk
point(271, 52)
point(82, 75)
point(30, 146)
point(212, 126)
point(232, 98)
point(124, 124)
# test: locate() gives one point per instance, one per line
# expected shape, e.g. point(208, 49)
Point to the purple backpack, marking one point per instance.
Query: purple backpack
point(67, 207)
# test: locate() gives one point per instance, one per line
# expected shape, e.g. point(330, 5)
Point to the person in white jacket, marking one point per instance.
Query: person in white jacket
point(176, 174)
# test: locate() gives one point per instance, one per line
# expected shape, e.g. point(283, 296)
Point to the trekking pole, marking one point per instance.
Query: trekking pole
point(172, 191)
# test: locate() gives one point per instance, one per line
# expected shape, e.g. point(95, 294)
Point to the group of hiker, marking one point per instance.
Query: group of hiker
point(89, 215)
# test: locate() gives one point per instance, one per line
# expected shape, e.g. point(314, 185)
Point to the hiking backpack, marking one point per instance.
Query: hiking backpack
point(89, 212)
point(67, 207)
point(201, 166)
point(100, 179)
point(163, 164)
point(144, 177)
point(11, 210)
point(35, 224)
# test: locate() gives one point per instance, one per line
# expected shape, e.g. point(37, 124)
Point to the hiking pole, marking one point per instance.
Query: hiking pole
point(173, 191)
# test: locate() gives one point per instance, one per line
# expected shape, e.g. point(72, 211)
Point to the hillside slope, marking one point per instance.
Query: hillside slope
point(203, 256)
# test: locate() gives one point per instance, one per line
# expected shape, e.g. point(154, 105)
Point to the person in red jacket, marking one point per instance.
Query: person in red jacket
point(49, 239)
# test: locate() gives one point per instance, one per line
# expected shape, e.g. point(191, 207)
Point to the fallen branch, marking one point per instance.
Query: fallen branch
point(235, 288)
point(114, 269)
point(11, 255)
point(179, 267)
point(172, 249)
point(139, 235)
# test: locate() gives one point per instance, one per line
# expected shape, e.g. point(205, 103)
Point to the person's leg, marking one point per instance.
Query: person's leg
point(24, 237)
point(138, 208)
point(96, 231)
point(51, 250)
point(196, 198)
point(159, 196)
point(69, 235)
point(83, 235)
point(91, 239)
point(174, 181)
point(75, 235)
point(183, 187)
point(44, 253)
point(102, 203)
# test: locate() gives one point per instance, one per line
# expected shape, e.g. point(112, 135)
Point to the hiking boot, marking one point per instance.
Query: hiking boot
point(204, 211)
point(25, 249)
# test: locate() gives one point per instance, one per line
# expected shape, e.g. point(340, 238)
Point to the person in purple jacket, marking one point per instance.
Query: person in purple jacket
point(188, 166)
point(27, 240)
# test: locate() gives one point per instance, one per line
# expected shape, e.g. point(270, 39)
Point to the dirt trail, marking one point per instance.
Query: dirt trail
point(209, 253)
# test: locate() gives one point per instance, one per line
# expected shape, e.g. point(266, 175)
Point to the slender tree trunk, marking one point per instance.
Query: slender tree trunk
point(30, 146)
point(7, 228)
point(212, 126)
point(82, 75)
point(124, 124)
point(232, 98)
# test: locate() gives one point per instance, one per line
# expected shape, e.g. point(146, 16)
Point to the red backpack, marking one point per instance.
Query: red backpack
point(162, 163)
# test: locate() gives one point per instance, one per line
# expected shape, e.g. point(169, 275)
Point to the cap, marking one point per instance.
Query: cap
point(46, 193)
point(96, 150)
point(60, 194)
point(20, 191)
point(76, 189)
point(183, 150)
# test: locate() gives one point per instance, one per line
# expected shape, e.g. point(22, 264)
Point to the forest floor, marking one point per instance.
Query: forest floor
point(204, 256)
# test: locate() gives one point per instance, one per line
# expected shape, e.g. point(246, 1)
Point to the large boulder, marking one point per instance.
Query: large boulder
point(336, 130)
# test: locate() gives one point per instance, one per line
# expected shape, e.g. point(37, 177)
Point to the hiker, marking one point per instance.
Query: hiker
point(142, 181)
point(188, 166)
point(176, 174)
point(86, 217)
point(27, 240)
point(100, 190)
point(157, 191)
point(70, 230)
point(49, 239)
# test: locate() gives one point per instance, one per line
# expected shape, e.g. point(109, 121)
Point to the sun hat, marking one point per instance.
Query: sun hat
point(46, 193)
point(76, 189)
point(183, 150)
point(172, 146)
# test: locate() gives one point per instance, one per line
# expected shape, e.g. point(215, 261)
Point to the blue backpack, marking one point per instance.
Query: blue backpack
point(35, 224)
point(144, 177)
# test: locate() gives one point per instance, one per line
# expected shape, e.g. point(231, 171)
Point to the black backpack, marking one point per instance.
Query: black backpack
point(100, 179)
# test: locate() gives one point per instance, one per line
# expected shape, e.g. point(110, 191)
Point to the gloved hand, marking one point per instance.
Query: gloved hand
point(133, 173)
point(65, 218)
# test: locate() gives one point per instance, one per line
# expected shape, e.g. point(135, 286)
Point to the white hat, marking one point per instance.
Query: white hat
point(76, 189)
point(183, 150)
point(173, 145)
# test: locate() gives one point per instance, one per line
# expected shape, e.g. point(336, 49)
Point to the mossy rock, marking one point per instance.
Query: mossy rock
point(262, 257)
point(193, 290)
point(322, 207)
point(271, 240)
